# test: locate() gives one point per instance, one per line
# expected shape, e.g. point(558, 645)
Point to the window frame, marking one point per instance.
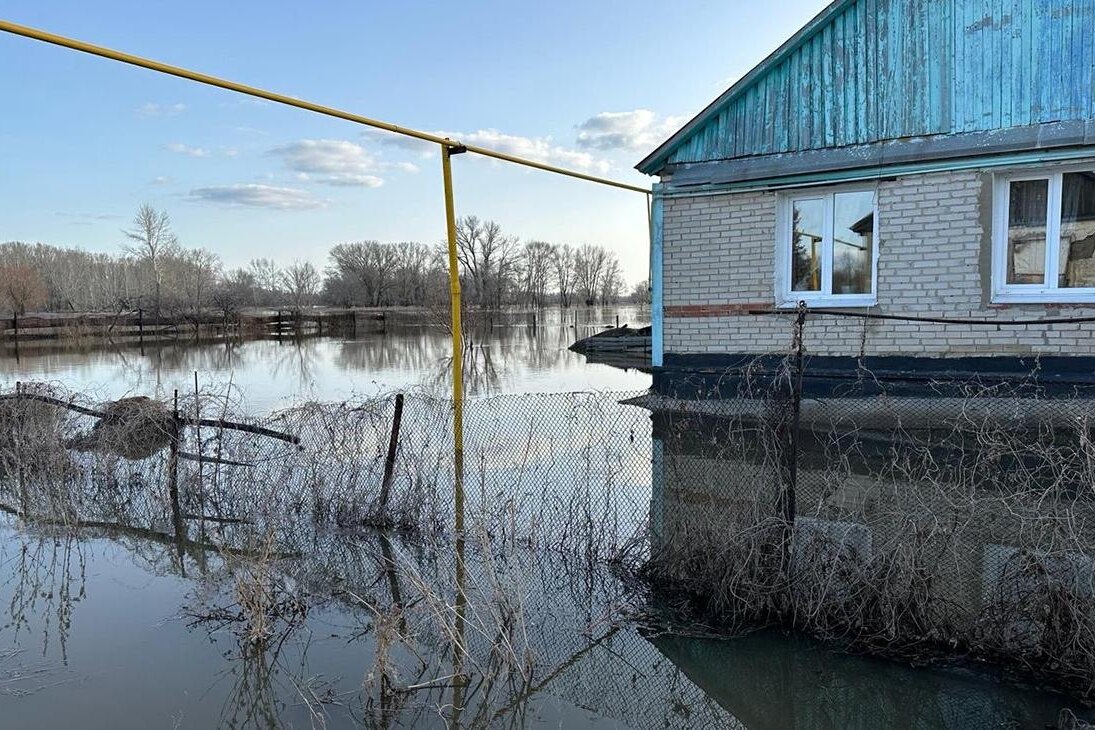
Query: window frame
point(785, 297)
point(1048, 292)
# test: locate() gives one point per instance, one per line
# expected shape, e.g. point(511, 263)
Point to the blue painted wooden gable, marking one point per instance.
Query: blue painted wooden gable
point(867, 71)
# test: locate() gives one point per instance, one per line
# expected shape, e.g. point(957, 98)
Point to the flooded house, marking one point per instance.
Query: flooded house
point(921, 160)
point(903, 194)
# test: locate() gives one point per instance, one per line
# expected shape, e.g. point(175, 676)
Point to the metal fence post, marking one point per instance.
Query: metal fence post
point(788, 439)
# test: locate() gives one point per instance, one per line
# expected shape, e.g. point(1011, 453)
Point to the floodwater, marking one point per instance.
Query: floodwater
point(256, 610)
point(509, 353)
point(112, 630)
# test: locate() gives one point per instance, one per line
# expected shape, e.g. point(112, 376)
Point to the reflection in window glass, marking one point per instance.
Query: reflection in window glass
point(1077, 250)
point(808, 220)
point(853, 239)
point(1026, 254)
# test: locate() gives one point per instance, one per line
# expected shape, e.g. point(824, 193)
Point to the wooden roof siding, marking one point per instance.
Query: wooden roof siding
point(866, 71)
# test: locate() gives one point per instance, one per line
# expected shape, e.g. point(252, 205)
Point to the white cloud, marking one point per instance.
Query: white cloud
point(420, 147)
point(184, 149)
point(348, 180)
point(332, 162)
point(152, 109)
point(640, 129)
point(85, 219)
point(161, 180)
point(252, 195)
point(540, 149)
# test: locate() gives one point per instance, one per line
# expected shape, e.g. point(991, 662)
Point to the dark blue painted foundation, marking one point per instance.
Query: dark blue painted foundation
point(736, 375)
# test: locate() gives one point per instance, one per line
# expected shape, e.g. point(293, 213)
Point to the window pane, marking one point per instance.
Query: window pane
point(808, 219)
point(853, 242)
point(1077, 267)
point(1027, 232)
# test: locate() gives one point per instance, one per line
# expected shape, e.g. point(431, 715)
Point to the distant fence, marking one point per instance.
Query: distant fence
point(139, 324)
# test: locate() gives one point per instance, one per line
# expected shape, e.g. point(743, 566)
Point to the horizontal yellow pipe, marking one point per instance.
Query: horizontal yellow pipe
point(76, 45)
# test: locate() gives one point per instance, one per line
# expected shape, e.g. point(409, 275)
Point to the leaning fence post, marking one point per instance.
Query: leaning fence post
point(389, 462)
point(789, 441)
point(173, 483)
point(24, 498)
point(796, 411)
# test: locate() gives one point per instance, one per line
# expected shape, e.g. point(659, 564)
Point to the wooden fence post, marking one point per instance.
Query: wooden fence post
point(389, 462)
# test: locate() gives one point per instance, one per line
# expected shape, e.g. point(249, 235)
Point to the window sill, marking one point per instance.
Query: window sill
point(843, 301)
point(1050, 297)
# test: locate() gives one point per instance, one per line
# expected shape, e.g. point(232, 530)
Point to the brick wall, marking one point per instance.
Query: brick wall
point(934, 242)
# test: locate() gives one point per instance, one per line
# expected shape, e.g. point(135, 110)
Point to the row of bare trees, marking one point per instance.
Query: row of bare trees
point(156, 273)
point(497, 269)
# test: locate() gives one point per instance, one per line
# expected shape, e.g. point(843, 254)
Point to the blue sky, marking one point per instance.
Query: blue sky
point(588, 85)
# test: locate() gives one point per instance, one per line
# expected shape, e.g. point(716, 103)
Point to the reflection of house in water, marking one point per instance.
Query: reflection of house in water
point(959, 514)
point(768, 681)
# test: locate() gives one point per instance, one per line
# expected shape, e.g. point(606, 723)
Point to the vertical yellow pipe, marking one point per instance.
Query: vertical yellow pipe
point(459, 680)
point(457, 340)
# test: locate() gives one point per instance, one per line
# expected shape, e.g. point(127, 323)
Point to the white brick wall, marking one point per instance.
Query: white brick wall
point(933, 244)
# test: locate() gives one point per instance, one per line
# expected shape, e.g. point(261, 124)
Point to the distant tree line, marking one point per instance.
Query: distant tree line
point(155, 272)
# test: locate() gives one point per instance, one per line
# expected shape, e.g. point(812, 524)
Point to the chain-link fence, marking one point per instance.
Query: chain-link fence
point(956, 519)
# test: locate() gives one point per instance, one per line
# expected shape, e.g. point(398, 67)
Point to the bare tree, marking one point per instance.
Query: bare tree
point(199, 271)
point(415, 273)
point(537, 261)
point(151, 239)
point(562, 259)
point(589, 267)
point(232, 292)
point(267, 281)
point(370, 264)
point(612, 280)
point(22, 289)
point(301, 281)
point(489, 258)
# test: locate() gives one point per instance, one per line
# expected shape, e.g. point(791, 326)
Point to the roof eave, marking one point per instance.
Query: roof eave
point(653, 163)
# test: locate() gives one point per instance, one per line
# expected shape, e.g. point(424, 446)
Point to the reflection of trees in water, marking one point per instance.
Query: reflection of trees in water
point(492, 357)
point(46, 580)
point(513, 347)
point(397, 590)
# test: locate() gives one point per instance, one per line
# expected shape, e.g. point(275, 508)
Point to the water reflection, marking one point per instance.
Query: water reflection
point(510, 352)
point(771, 681)
point(370, 643)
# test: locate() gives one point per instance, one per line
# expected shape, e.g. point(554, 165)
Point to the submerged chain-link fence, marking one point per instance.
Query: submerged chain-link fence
point(956, 519)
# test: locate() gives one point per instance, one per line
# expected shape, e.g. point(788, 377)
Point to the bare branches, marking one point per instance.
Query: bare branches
point(150, 240)
point(22, 289)
point(301, 281)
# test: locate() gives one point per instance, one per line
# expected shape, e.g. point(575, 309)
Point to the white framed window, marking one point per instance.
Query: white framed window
point(827, 248)
point(1043, 237)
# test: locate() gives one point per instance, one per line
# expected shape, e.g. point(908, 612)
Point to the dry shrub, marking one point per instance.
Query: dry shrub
point(133, 428)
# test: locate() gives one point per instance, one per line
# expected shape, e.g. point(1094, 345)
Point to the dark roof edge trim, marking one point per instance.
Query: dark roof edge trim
point(650, 164)
point(880, 155)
